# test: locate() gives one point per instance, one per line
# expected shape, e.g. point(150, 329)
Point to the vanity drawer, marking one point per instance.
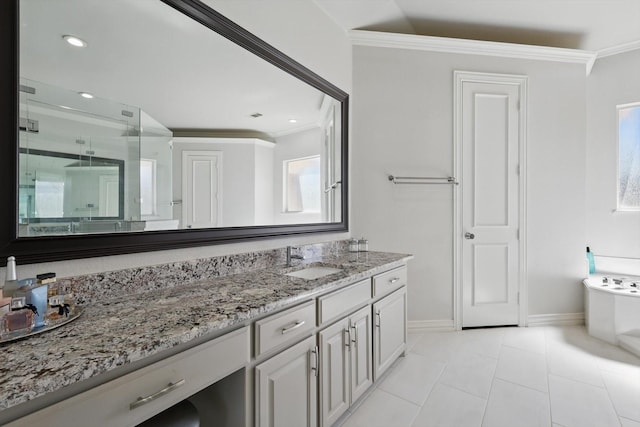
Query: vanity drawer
point(389, 281)
point(344, 300)
point(277, 330)
point(110, 404)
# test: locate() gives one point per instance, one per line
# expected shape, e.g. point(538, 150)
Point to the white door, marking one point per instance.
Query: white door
point(201, 189)
point(490, 125)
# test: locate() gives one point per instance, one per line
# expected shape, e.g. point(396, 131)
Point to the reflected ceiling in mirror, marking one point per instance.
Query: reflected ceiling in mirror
point(145, 53)
point(249, 145)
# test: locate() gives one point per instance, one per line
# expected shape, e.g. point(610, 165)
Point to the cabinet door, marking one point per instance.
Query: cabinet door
point(334, 362)
point(361, 352)
point(390, 338)
point(286, 387)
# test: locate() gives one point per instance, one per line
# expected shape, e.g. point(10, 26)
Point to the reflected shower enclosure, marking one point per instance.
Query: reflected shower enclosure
point(89, 165)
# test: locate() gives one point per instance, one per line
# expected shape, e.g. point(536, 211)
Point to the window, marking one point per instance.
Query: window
point(302, 185)
point(629, 157)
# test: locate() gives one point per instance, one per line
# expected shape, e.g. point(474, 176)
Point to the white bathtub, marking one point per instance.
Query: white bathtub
point(612, 310)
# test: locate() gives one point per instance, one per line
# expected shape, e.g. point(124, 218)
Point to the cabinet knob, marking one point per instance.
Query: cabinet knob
point(469, 236)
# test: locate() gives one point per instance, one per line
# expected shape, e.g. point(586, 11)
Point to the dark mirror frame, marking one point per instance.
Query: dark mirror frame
point(29, 250)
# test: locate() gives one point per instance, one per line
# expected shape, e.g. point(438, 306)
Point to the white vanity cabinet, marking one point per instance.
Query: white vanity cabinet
point(345, 349)
point(390, 330)
point(346, 364)
point(286, 387)
point(139, 395)
point(301, 366)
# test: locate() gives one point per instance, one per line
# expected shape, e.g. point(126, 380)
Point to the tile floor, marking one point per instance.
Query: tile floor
point(511, 377)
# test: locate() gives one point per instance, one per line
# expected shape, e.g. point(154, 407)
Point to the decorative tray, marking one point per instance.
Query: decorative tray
point(16, 335)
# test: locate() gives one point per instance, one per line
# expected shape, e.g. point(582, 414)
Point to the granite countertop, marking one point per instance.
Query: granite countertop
point(114, 333)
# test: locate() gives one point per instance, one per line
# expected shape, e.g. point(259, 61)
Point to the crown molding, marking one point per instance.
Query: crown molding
point(473, 47)
point(621, 48)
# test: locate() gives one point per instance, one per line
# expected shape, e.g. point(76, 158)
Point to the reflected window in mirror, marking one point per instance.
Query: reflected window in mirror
point(302, 185)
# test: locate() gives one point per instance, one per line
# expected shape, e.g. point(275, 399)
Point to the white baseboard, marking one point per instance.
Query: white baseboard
point(560, 319)
point(430, 325)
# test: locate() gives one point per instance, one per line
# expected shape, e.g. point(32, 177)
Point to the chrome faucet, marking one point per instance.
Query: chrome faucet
point(291, 256)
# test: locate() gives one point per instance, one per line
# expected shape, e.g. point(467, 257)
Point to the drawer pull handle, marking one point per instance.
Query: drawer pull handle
point(379, 316)
point(347, 338)
point(355, 334)
point(168, 389)
point(394, 280)
point(291, 328)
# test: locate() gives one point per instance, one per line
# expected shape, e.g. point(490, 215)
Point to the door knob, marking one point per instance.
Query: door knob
point(469, 236)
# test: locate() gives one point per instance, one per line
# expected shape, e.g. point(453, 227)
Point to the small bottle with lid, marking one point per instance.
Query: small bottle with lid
point(59, 307)
point(353, 245)
point(363, 245)
point(11, 278)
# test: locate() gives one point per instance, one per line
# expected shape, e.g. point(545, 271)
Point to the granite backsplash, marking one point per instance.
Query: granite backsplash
point(90, 288)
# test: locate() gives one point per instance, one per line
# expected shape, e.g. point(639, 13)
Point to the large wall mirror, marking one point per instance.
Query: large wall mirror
point(136, 125)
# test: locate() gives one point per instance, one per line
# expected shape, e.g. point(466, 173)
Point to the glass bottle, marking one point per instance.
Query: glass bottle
point(11, 279)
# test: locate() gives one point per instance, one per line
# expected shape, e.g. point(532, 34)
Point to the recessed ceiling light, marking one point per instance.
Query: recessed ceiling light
point(85, 95)
point(74, 41)
point(293, 121)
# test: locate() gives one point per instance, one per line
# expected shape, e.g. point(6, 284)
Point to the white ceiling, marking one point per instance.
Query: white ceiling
point(578, 24)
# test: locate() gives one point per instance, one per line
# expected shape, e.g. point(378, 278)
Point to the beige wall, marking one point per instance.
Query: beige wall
point(403, 125)
point(613, 81)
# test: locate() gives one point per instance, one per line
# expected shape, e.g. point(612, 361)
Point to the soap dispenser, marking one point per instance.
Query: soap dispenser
point(591, 261)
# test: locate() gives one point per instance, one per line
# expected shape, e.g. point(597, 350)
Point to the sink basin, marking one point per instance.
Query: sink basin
point(313, 273)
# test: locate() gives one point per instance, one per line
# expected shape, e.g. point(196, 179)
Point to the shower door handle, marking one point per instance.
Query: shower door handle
point(469, 236)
